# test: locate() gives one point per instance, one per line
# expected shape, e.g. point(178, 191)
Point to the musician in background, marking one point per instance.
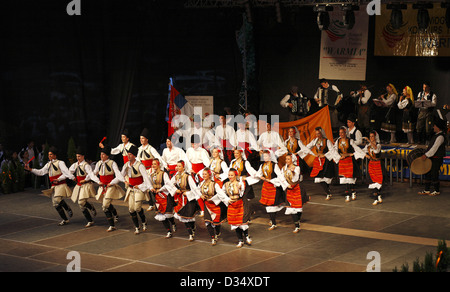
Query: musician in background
point(388, 102)
point(435, 152)
point(329, 95)
point(361, 99)
point(426, 102)
point(297, 104)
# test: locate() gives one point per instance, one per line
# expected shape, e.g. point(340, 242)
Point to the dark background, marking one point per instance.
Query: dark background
point(92, 75)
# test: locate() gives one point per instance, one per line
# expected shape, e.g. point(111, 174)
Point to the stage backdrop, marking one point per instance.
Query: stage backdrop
point(306, 128)
point(343, 52)
point(408, 40)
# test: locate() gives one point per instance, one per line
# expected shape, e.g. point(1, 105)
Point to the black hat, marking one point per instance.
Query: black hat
point(439, 120)
point(106, 149)
point(53, 150)
point(125, 132)
point(351, 117)
point(80, 151)
point(195, 138)
point(145, 133)
point(133, 150)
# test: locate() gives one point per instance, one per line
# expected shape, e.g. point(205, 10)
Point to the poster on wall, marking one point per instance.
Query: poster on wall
point(408, 39)
point(343, 51)
point(203, 105)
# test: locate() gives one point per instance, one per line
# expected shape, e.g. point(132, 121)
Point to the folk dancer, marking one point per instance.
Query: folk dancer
point(217, 166)
point(245, 172)
point(375, 167)
point(215, 210)
point(294, 146)
point(347, 154)
point(164, 201)
point(323, 169)
point(58, 173)
point(123, 147)
point(406, 105)
point(146, 154)
point(82, 172)
point(226, 136)
point(107, 175)
point(238, 209)
point(290, 180)
point(246, 140)
point(171, 155)
point(426, 102)
point(198, 158)
point(185, 197)
point(435, 152)
point(137, 184)
point(272, 192)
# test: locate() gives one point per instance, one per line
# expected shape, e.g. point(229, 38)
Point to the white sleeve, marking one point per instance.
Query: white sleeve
point(116, 150)
point(434, 148)
point(42, 171)
point(118, 175)
point(65, 171)
point(284, 102)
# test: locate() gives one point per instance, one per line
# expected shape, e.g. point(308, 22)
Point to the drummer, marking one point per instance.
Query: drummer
point(436, 153)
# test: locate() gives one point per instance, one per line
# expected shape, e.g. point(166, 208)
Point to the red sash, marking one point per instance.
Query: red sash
point(125, 159)
point(172, 170)
point(53, 180)
point(135, 181)
point(106, 179)
point(79, 179)
point(147, 163)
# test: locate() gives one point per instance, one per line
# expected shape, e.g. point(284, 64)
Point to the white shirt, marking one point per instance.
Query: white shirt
point(198, 155)
point(246, 136)
point(49, 169)
point(358, 135)
point(437, 143)
point(126, 171)
point(425, 96)
point(171, 156)
point(362, 100)
point(226, 133)
point(100, 170)
point(87, 169)
point(120, 148)
point(149, 149)
point(390, 99)
point(271, 139)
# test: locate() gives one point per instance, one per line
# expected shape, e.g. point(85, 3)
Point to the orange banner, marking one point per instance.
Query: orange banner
point(306, 128)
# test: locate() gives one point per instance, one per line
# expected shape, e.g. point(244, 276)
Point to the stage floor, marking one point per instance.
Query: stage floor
point(335, 236)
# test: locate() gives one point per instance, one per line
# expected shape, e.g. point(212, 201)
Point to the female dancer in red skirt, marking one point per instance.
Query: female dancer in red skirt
point(271, 192)
point(238, 213)
point(185, 197)
point(349, 169)
point(290, 180)
point(215, 210)
point(161, 188)
point(373, 150)
point(323, 165)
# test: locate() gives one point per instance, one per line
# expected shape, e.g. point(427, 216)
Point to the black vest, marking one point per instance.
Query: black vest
point(440, 153)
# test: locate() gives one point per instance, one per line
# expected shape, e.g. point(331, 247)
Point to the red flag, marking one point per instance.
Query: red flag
point(171, 114)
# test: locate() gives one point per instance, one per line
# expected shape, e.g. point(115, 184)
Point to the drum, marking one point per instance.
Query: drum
point(417, 165)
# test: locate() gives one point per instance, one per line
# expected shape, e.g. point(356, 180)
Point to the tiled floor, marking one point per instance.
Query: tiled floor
point(335, 236)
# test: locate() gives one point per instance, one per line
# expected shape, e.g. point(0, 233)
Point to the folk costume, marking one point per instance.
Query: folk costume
point(390, 119)
point(164, 201)
point(272, 196)
point(238, 209)
point(435, 152)
point(122, 148)
point(323, 169)
point(146, 153)
point(137, 185)
point(185, 196)
point(215, 210)
point(84, 189)
point(226, 136)
point(170, 156)
point(349, 170)
point(406, 105)
point(107, 174)
point(426, 102)
point(290, 181)
point(375, 168)
point(58, 173)
point(245, 172)
point(295, 146)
